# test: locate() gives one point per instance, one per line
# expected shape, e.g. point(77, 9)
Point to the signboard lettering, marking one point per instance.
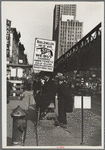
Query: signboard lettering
point(8, 28)
point(44, 55)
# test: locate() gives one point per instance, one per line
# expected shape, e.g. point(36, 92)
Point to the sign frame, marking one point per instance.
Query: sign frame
point(44, 55)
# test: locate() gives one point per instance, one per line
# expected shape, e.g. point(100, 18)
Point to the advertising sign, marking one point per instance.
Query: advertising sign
point(44, 55)
point(8, 28)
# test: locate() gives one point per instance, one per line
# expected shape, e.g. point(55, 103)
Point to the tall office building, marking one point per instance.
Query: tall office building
point(66, 29)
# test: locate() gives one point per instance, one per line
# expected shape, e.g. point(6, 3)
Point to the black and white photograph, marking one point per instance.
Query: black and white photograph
point(52, 74)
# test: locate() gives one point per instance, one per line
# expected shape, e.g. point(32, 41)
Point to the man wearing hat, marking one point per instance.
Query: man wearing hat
point(48, 95)
point(65, 100)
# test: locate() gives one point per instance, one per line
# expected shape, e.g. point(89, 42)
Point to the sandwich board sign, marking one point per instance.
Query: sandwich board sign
point(44, 54)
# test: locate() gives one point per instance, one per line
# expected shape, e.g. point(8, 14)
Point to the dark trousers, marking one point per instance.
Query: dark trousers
point(62, 111)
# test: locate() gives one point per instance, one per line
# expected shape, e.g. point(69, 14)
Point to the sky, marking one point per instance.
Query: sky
point(34, 19)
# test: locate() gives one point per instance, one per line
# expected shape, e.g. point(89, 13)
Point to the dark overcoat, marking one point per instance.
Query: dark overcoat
point(48, 95)
point(64, 96)
point(65, 102)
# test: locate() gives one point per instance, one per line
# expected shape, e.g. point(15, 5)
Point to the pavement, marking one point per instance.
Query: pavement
point(24, 104)
point(45, 133)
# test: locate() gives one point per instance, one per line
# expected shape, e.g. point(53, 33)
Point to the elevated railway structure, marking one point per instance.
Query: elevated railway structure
point(83, 55)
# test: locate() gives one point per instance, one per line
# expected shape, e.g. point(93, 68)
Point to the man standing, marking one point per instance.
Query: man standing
point(47, 96)
point(65, 100)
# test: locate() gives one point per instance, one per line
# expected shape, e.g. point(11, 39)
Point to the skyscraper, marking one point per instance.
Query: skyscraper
point(66, 29)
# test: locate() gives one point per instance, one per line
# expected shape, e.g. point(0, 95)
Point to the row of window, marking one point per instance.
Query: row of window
point(70, 39)
point(70, 34)
point(69, 6)
point(70, 12)
point(67, 42)
point(72, 24)
point(70, 28)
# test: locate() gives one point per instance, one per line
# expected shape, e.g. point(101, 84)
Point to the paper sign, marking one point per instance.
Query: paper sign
point(86, 102)
point(13, 72)
point(14, 94)
point(77, 101)
point(20, 61)
point(20, 72)
point(44, 55)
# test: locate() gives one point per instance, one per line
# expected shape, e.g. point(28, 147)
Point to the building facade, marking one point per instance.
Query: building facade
point(66, 29)
point(8, 32)
point(16, 68)
point(16, 55)
point(15, 46)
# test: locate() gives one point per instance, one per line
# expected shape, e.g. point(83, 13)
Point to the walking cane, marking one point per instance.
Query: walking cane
point(36, 128)
point(35, 124)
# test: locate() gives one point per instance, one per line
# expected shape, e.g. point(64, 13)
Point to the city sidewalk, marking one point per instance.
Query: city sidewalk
point(50, 135)
point(24, 104)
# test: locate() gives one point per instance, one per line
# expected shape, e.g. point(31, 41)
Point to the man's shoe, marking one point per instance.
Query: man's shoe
point(56, 123)
point(63, 125)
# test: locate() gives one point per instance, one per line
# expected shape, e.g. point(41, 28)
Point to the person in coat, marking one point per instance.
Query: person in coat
point(47, 96)
point(36, 86)
point(65, 100)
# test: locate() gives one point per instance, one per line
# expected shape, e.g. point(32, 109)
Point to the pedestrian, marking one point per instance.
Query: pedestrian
point(65, 100)
point(47, 96)
point(37, 89)
point(36, 86)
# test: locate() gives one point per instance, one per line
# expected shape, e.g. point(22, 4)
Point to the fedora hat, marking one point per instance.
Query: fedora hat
point(60, 76)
